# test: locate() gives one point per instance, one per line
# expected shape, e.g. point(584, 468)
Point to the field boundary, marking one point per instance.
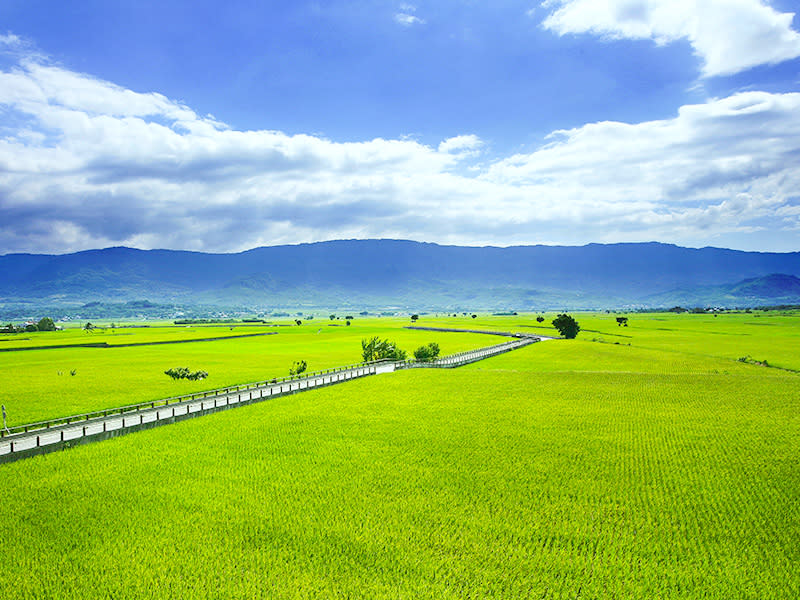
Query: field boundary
point(107, 345)
point(43, 437)
point(483, 331)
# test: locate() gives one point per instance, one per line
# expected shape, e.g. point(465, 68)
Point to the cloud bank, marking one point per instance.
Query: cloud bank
point(728, 35)
point(85, 163)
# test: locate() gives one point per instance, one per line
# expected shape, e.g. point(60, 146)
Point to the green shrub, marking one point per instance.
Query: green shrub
point(299, 366)
point(184, 373)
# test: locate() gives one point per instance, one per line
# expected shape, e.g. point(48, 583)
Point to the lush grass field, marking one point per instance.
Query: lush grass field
point(567, 469)
point(33, 390)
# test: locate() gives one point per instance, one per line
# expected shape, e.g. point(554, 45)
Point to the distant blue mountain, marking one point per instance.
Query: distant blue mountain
point(374, 273)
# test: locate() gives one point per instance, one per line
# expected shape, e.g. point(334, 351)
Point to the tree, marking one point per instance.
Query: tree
point(331, 317)
point(622, 321)
point(377, 349)
point(298, 321)
point(414, 318)
point(46, 324)
point(298, 367)
point(474, 316)
point(567, 326)
point(540, 319)
point(427, 353)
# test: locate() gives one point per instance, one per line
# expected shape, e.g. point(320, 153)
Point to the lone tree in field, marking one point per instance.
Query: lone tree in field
point(377, 349)
point(622, 321)
point(427, 353)
point(414, 318)
point(540, 319)
point(567, 326)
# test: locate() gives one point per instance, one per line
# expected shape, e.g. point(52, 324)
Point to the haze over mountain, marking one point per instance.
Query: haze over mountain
point(404, 274)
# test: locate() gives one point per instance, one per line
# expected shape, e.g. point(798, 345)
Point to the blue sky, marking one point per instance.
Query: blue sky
point(224, 126)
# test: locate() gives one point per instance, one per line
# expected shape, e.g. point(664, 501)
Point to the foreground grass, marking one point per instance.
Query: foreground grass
point(623, 475)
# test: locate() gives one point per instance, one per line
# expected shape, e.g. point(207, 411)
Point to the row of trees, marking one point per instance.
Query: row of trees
point(377, 349)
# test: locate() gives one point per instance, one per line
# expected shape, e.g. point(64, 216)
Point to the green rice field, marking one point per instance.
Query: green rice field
point(39, 385)
point(660, 466)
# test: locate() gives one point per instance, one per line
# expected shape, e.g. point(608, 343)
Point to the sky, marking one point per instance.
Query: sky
point(223, 126)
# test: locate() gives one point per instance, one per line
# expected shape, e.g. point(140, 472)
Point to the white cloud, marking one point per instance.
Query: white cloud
point(10, 40)
point(462, 145)
point(716, 166)
point(85, 163)
point(728, 35)
point(405, 17)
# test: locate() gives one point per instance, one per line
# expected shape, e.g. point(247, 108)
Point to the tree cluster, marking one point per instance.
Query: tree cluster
point(44, 324)
point(185, 373)
point(378, 349)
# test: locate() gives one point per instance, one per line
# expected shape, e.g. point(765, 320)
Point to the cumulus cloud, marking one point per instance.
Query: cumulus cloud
point(85, 163)
point(716, 165)
point(728, 35)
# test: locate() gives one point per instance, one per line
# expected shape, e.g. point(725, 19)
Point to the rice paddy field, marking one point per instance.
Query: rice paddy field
point(584, 468)
point(39, 384)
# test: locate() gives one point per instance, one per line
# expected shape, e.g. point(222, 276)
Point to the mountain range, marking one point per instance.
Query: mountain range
point(379, 274)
